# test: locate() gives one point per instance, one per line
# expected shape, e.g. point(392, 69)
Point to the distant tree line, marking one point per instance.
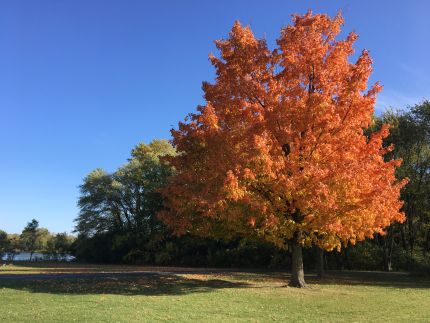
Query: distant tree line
point(118, 214)
point(54, 246)
point(406, 245)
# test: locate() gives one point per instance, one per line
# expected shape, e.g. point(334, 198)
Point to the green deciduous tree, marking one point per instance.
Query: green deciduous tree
point(29, 237)
point(410, 134)
point(4, 243)
point(14, 246)
point(58, 245)
point(124, 204)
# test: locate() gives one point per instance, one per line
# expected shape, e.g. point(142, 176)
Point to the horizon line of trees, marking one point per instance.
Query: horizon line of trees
point(33, 238)
point(118, 214)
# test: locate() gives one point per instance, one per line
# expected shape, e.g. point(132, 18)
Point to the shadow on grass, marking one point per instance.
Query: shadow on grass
point(160, 282)
point(154, 285)
point(371, 278)
point(338, 277)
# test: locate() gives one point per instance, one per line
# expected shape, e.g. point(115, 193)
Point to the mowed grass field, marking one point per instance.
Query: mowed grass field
point(199, 295)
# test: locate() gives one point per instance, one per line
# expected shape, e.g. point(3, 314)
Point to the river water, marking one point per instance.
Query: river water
point(37, 256)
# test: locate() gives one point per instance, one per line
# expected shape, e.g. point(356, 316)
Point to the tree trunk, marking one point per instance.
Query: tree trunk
point(387, 258)
point(411, 237)
point(388, 249)
point(31, 255)
point(403, 235)
point(326, 262)
point(347, 260)
point(339, 260)
point(320, 262)
point(427, 246)
point(297, 272)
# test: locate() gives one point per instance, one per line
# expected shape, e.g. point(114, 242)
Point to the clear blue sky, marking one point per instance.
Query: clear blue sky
point(82, 82)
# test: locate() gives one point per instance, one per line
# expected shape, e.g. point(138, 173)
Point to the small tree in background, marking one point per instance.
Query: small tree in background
point(4, 243)
point(279, 149)
point(14, 246)
point(58, 245)
point(29, 237)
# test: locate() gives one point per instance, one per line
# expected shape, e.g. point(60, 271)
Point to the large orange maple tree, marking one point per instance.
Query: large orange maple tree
point(279, 149)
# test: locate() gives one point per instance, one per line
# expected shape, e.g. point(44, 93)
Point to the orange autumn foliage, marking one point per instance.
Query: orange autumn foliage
point(279, 149)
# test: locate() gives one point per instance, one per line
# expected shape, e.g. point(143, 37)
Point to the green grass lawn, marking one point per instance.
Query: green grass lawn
point(212, 297)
